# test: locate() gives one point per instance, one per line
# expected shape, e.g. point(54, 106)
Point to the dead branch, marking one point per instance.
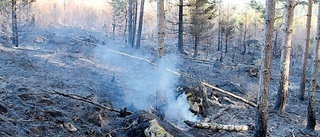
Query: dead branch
point(89, 101)
point(221, 112)
point(215, 126)
point(230, 94)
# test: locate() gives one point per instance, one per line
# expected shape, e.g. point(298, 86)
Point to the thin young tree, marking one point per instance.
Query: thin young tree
point(160, 27)
point(130, 23)
point(14, 22)
point(140, 24)
point(262, 110)
point(285, 58)
point(305, 54)
point(311, 117)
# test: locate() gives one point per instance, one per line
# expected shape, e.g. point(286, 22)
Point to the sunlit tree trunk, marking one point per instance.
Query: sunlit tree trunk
point(285, 58)
point(140, 24)
point(311, 118)
point(305, 55)
point(180, 30)
point(260, 129)
point(14, 23)
point(160, 27)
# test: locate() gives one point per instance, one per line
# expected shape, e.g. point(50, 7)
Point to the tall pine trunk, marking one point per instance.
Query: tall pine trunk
point(260, 129)
point(15, 36)
point(306, 48)
point(160, 27)
point(311, 118)
point(130, 32)
point(280, 105)
point(180, 30)
point(140, 24)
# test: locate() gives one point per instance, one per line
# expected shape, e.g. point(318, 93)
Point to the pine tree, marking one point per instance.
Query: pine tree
point(202, 11)
point(285, 58)
point(311, 117)
point(262, 110)
point(160, 27)
point(305, 55)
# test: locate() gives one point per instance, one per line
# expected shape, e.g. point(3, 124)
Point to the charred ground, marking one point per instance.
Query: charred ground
point(50, 61)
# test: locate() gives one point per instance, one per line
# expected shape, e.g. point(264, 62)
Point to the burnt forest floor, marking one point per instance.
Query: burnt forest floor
point(49, 61)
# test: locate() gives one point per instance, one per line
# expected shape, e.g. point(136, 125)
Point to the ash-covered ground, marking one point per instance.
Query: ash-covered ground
point(87, 65)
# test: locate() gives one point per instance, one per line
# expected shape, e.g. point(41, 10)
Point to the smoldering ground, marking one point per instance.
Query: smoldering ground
point(148, 86)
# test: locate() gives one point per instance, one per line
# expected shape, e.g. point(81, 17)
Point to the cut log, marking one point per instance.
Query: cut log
point(216, 127)
point(230, 94)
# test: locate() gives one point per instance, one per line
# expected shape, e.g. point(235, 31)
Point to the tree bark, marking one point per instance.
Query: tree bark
point(130, 32)
point(260, 129)
point(305, 55)
point(285, 58)
point(15, 36)
point(311, 118)
point(160, 27)
point(180, 29)
point(140, 24)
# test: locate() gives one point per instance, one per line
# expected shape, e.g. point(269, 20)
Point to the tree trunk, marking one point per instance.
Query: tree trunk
point(196, 43)
point(285, 58)
point(305, 55)
point(113, 26)
point(245, 35)
point(180, 30)
point(135, 14)
point(219, 35)
point(14, 24)
point(262, 110)
point(311, 118)
point(275, 44)
point(226, 42)
point(126, 24)
point(130, 32)
point(140, 24)
point(160, 27)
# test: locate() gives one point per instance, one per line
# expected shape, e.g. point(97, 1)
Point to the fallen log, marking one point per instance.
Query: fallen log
point(215, 126)
point(230, 94)
point(76, 97)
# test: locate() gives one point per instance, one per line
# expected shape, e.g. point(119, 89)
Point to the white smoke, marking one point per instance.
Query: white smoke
point(147, 85)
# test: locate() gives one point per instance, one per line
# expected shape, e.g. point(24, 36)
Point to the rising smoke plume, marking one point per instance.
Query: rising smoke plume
point(150, 86)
